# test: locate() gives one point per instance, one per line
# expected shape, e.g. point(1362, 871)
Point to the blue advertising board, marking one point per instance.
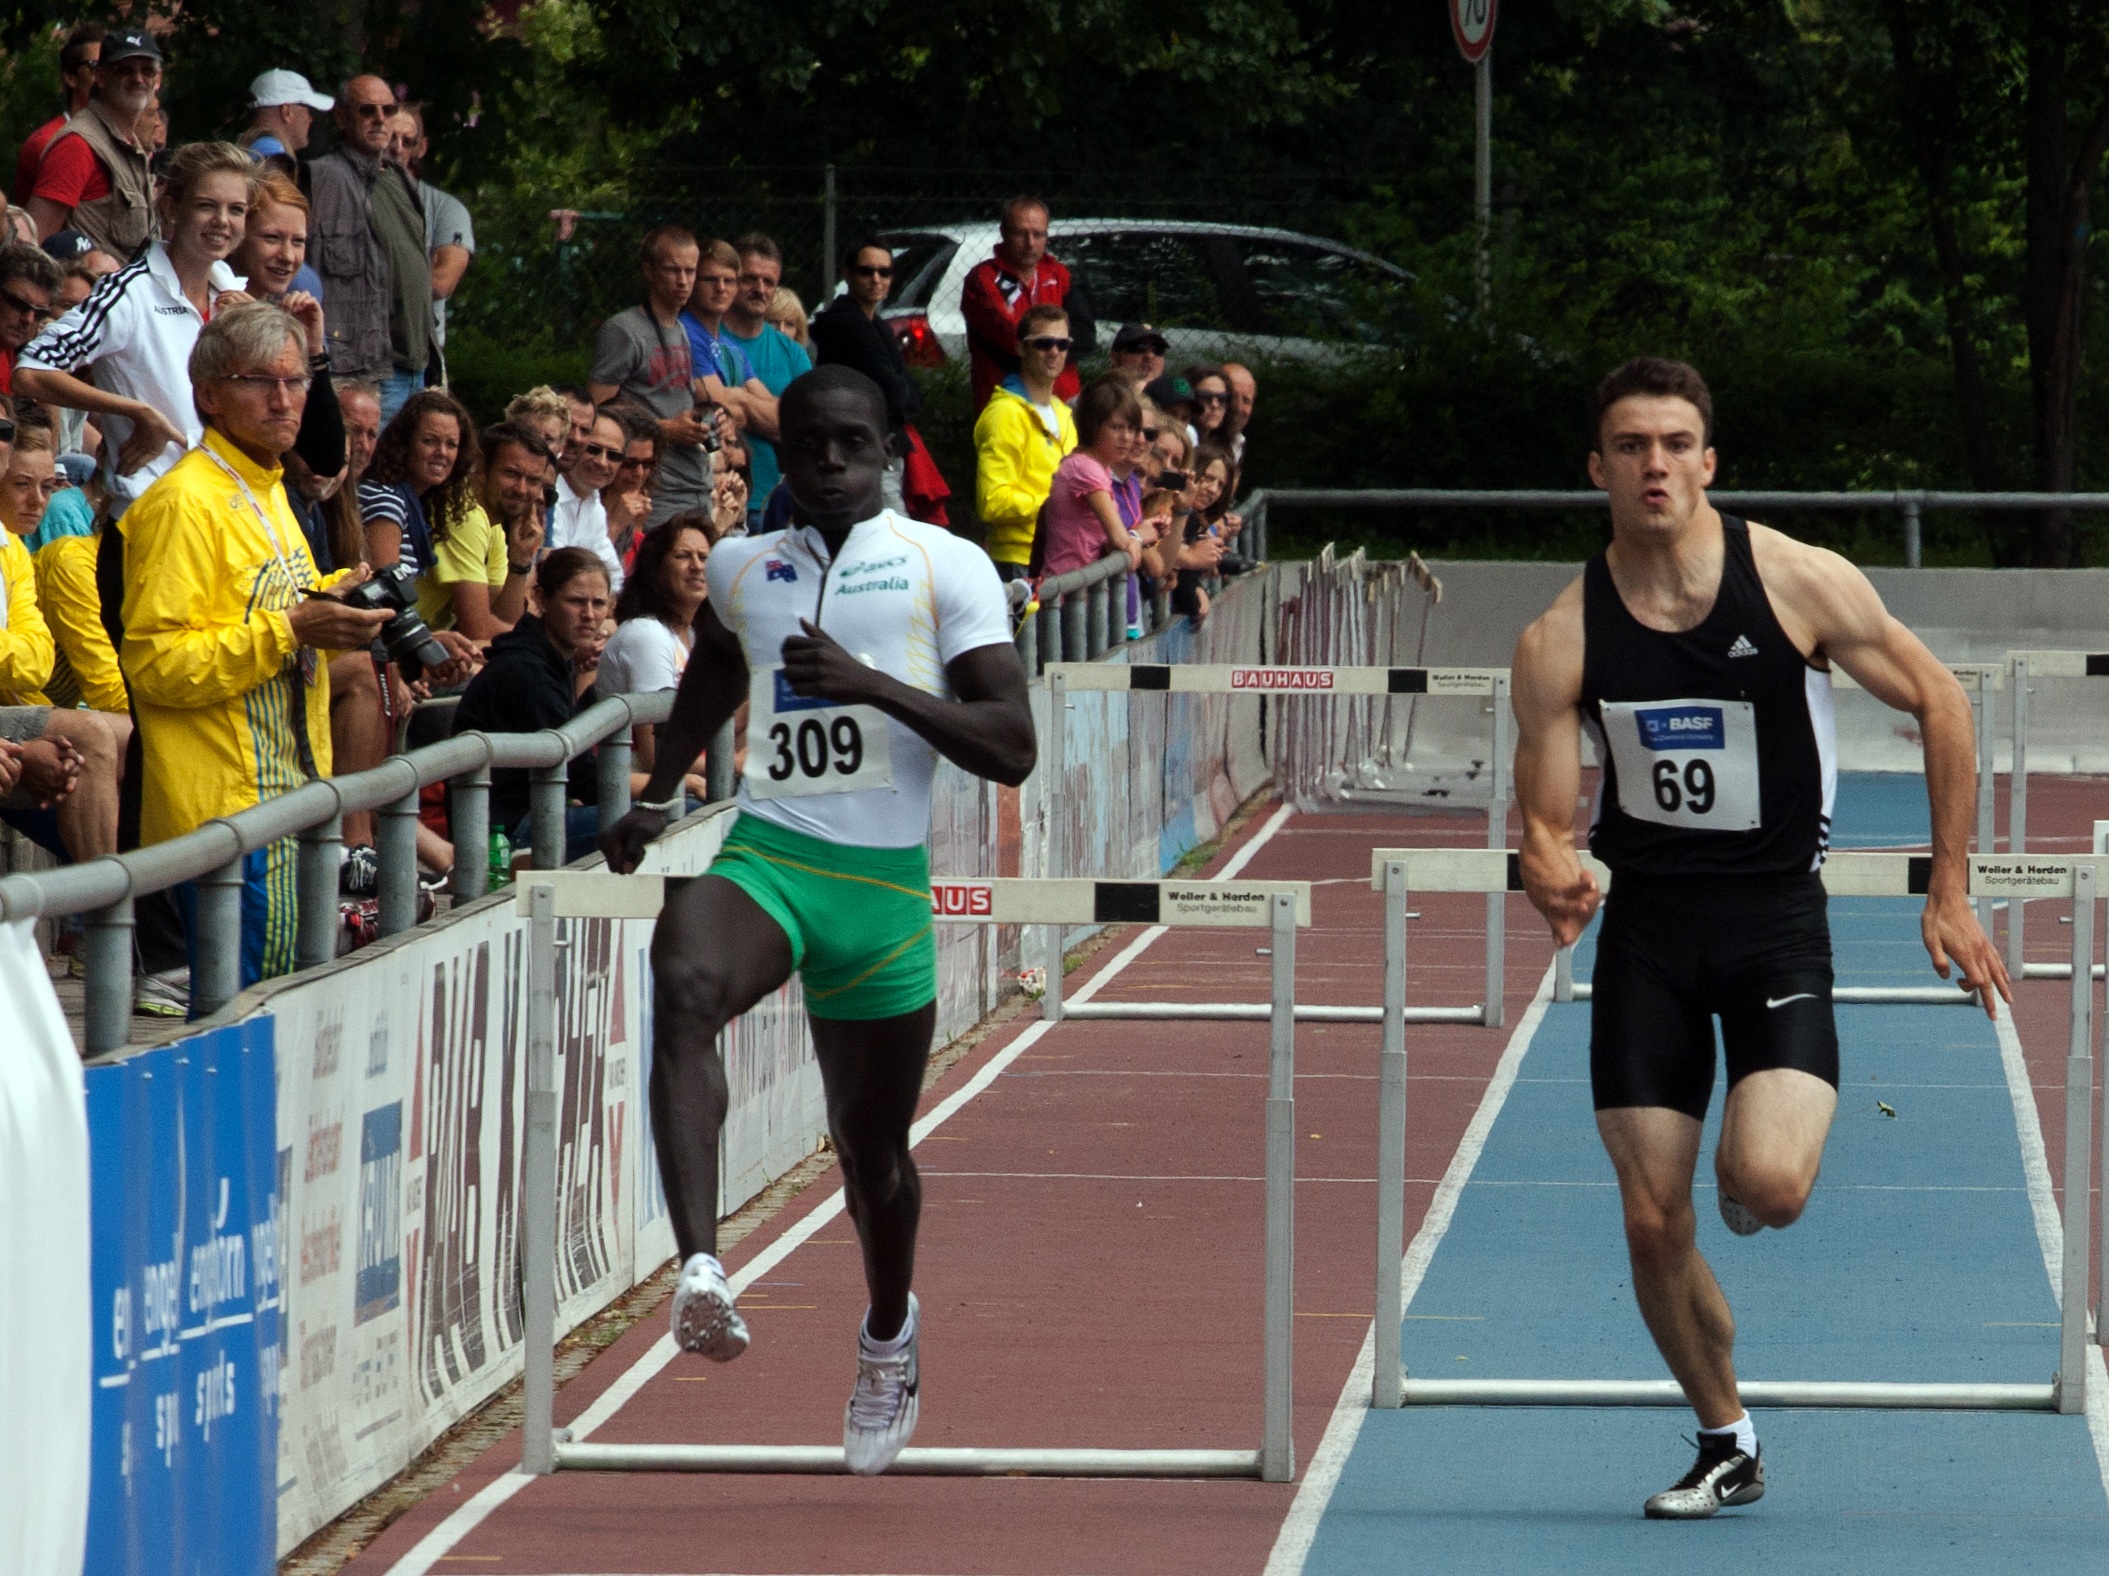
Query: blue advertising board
point(184, 1166)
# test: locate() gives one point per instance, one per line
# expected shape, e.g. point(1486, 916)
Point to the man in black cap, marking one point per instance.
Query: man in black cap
point(94, 177)
point(1138, 353)
point(1173, 395)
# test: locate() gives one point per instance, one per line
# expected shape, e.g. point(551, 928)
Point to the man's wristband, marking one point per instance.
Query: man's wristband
point(512, 568)
point(663, 806)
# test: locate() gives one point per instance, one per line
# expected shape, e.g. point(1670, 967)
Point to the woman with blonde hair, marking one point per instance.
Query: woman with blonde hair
point(787, 315)
point(545, 410)
point(123, 355)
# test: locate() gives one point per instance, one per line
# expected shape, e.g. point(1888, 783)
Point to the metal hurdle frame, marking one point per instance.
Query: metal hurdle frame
point(2021, 667)
point(1980, 681)
point(1279, 907)
point(1396, 871)
point(1259, 680)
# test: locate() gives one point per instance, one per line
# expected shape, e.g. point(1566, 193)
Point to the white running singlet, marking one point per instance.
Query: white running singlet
point(907, 598)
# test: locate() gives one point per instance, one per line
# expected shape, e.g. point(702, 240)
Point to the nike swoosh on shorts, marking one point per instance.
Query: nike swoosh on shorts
point(1781, 1001)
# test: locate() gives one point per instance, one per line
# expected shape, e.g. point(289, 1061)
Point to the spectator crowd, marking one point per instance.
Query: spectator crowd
point(253, 538)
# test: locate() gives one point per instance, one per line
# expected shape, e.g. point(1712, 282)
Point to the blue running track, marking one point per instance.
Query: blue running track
point(1918, 1259)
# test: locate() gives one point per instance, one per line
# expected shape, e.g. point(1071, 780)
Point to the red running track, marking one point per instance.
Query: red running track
point(1090, 1274)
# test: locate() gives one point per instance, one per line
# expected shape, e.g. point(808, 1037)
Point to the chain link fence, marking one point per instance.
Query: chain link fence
point(553, 264)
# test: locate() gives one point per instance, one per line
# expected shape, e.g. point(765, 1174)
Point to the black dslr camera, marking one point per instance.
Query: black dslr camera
point(406, 638)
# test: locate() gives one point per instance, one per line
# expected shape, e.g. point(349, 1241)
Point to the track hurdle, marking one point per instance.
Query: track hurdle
point(2022, 667)
point(1260, 680)
point(1396, 871)
point(1980, 681)
point(1278, 907)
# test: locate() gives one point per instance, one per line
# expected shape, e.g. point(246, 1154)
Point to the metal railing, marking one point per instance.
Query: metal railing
point(104, 889)
point(1079, 618)
point(1909, 506)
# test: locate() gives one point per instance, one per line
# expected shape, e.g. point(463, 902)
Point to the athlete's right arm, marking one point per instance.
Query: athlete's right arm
point(712, 687)
point(1546, 684)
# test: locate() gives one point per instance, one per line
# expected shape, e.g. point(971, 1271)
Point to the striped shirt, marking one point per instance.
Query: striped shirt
point(132, 337)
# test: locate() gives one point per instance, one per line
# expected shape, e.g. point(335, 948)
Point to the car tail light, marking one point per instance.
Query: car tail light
point(919, 343)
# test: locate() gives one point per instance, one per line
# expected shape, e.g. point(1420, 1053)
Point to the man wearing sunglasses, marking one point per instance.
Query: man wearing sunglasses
point(367, 240)
point(850, 333)
point(27, 280)
point(579, 518)
point(1002, 288)
point(1022, 434)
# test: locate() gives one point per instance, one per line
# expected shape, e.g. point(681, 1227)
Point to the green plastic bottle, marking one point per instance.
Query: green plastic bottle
point(501, 867)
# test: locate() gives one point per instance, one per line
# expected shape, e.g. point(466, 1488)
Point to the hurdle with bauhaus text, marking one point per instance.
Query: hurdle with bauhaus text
point(1261, 680)
point(1397, 871)
point(1278, 907)
point(2022, 669)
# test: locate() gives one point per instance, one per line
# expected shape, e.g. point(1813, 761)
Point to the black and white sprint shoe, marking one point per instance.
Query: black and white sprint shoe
point(1723, 1475)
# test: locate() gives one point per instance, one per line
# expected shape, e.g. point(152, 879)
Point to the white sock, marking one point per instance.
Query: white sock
point(1745, 1433)
point(892, 1347)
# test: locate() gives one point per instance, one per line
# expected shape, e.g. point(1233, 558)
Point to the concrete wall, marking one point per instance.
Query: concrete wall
point(1965, 615)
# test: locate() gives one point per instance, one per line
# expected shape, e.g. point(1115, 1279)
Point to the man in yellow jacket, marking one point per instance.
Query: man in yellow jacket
point(1022, 434)
point(226, 639)
point(68, 801)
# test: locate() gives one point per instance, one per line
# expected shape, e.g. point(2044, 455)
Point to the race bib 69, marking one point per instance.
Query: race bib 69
point(1686, 763)
point(801, 744)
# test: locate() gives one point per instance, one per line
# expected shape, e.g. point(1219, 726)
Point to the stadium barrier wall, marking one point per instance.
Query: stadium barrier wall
point(1434, 749)
point(386, 1182)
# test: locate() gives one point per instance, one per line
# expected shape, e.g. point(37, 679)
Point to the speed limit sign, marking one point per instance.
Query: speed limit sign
point(1472, 25)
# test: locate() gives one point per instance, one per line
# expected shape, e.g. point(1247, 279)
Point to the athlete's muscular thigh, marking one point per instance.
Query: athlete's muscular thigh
point(715, 953)
point(1772, 1136)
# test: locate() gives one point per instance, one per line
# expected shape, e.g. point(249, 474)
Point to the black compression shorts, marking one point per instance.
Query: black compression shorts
point(1672, 955)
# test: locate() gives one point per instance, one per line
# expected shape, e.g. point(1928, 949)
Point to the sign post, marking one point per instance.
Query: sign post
point(1472, 25)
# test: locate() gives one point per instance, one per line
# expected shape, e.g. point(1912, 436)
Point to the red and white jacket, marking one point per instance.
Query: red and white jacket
point(995, 298)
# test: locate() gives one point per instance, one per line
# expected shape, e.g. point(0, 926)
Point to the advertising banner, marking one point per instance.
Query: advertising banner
point(45, 1316)
point(186, 1308)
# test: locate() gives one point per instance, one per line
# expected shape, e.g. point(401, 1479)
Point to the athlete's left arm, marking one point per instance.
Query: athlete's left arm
point(1832, 601)
point(988, 730)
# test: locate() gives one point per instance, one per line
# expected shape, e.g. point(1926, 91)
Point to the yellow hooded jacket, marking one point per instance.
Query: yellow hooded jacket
point(86, 672)
point(1015, 459)
point(25, 641)
point(231, 709)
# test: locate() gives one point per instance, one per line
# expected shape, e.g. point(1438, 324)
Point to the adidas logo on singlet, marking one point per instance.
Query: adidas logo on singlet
point(1742, 647)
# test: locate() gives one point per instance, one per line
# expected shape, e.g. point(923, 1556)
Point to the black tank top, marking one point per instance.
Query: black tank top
point(1720, 757)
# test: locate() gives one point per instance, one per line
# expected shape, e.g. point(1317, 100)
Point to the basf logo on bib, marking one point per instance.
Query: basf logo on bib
point(1682, 728)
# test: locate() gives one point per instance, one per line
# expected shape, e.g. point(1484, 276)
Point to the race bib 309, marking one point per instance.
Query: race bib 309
point(799, 744)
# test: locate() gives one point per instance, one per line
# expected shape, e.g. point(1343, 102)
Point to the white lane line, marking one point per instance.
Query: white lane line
point(1293, 1546)
point(442, 1539)
point(2050, 1229)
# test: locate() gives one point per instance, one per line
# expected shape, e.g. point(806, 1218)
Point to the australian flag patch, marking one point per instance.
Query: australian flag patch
point(777, 569)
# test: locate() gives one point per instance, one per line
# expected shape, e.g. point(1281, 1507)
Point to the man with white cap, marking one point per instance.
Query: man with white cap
point(286, 104)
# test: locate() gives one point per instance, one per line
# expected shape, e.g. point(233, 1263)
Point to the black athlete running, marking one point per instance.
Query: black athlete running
point(1696, 649)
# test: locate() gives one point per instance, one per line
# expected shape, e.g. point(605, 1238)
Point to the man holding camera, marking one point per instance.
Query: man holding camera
point(228, 629)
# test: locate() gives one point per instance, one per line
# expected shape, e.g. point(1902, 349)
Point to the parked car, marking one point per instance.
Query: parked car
point(1215, 291)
